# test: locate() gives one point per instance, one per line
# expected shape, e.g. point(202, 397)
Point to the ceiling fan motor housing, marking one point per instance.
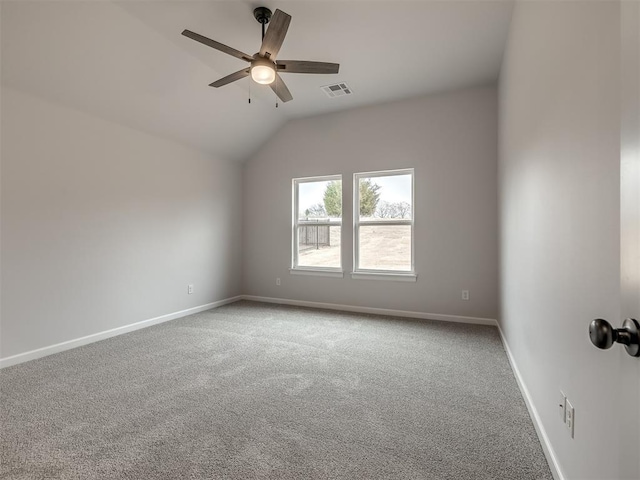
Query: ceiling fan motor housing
point(258, 60)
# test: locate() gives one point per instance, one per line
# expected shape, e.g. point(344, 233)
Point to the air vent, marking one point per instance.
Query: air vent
point(337, 90)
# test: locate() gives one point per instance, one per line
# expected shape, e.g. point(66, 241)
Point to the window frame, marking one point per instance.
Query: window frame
point(377, 274)
point(312, 270)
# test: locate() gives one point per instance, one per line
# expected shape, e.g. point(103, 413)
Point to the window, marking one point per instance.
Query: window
point(317, 225)
point(383, 225)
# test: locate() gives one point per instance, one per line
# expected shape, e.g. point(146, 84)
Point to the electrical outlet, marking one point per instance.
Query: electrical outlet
point(190, 289)
point(465, 294)
point(571, 418)
point(277, 281)
point(562, 407)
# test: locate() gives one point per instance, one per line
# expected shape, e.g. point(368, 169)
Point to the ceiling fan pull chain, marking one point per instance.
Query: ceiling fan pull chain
point(276, 90)
point(249, 89)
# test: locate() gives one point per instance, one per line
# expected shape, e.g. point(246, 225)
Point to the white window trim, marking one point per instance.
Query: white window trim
point(385, 275)
point(369, 274)
point(306, 270)
point(317, 271)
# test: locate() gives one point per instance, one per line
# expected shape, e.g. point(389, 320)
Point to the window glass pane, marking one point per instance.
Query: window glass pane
point(387, 197)
point(320, 200)
point(319, 246)
point(385, 247)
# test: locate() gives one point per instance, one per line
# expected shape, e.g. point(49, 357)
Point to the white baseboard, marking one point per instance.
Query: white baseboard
point(552, 459)
point(60, 347)
point(375, 311)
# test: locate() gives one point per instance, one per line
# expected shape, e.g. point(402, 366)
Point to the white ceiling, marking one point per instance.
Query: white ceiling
point(128, 63)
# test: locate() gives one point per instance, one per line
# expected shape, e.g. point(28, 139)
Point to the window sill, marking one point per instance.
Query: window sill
point(317, 272)
point(394, 277)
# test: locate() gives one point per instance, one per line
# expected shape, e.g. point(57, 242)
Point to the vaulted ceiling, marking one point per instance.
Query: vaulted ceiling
point(127, 62)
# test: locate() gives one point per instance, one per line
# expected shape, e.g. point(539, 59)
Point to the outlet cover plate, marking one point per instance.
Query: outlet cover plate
point(571, 418)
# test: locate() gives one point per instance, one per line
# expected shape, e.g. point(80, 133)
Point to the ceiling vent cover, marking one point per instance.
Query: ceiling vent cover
point(337, 90)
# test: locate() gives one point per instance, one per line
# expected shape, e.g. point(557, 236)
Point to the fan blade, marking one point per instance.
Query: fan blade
point(301, 66)
point(276, 32)
point(281, 90)
point(230, 78)
point(217, 45)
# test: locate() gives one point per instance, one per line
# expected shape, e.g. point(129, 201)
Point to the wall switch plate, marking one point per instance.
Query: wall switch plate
point(278, 281)
point(571, 418)
point(562, 407)
point(190, 289)
point(465, 294)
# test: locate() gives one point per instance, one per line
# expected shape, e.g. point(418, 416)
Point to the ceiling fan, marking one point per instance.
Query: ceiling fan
point(264, 68)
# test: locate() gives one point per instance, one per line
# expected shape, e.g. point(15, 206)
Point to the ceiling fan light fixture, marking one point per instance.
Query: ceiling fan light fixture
point(263, 74)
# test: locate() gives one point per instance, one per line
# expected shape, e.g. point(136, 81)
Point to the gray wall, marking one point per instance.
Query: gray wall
point(560, 226)
point(450, 139)
point(103, 226)
point(630, 203)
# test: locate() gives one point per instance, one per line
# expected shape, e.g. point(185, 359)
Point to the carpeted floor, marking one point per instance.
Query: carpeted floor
point(255, 391)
